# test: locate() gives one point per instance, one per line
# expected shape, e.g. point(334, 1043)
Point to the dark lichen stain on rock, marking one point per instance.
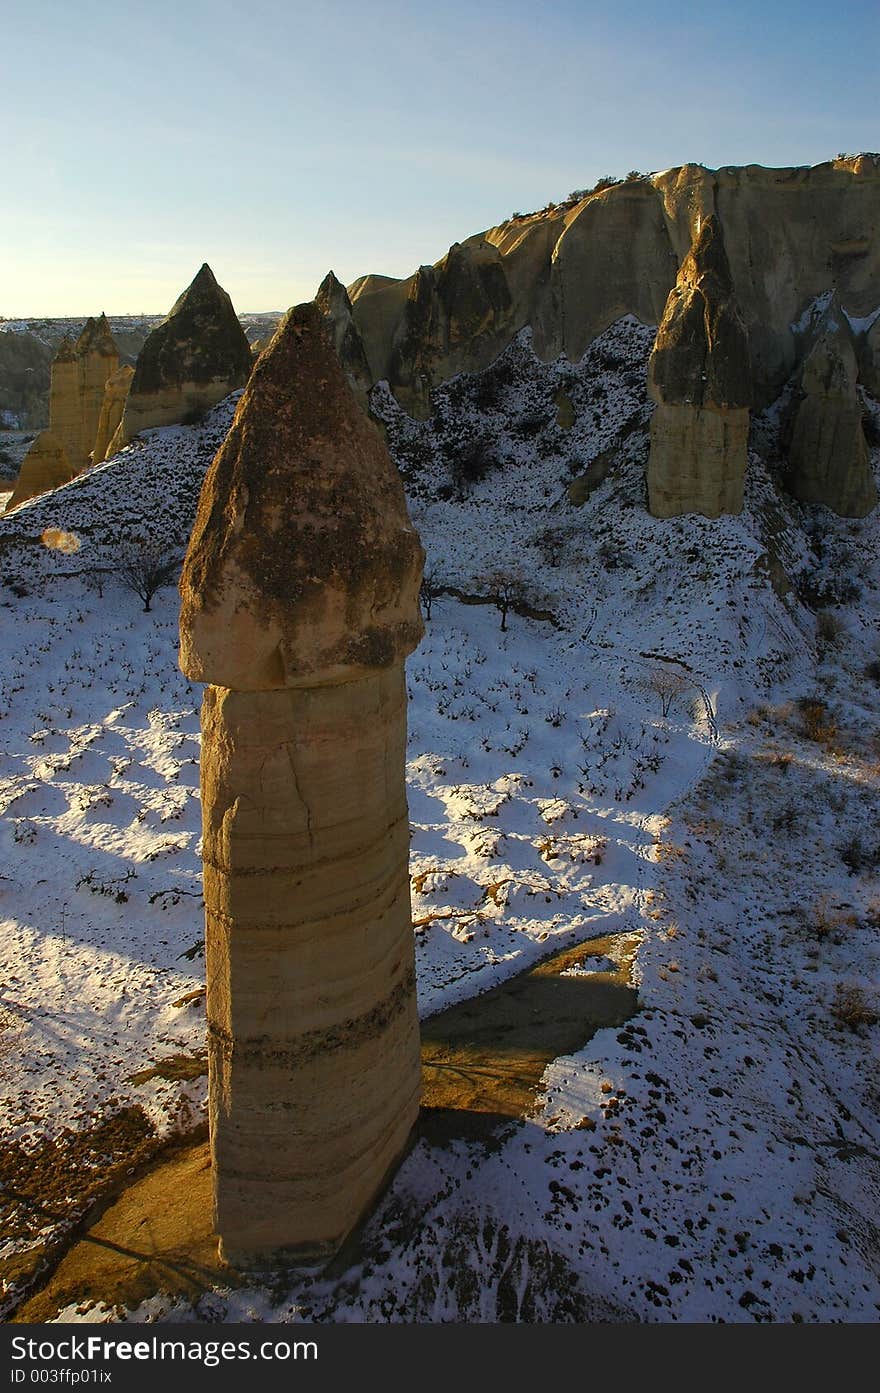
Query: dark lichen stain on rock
point(335, 525)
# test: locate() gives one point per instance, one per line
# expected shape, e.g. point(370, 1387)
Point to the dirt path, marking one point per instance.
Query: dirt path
point(483, 1061)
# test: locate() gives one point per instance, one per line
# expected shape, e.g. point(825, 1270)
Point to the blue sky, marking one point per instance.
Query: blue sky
point(276, 139)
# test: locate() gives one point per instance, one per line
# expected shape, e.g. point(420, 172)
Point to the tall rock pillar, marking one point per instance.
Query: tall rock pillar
point(698, 374)
point(300, 604)
point(98, 359)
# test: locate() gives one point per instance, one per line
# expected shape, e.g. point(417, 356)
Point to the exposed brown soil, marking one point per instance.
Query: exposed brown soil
point(483, 1061)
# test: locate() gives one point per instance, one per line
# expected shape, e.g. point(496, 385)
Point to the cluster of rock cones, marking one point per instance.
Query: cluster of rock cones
point(192, 360)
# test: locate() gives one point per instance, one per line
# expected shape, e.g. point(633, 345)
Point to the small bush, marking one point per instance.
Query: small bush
point(816, 722)
point(851, 1009)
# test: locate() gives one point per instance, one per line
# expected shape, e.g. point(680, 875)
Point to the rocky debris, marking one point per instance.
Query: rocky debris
point(299, 606)
point(333, 302)
point(192, 360)
point(116, 392)
point(698, 374)
point(828, 454)
point(46, 466)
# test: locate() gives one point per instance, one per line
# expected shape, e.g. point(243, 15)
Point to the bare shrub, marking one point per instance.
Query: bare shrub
point(667, 684)
point(147, 569)
point(851, 1008)
point(817, 724)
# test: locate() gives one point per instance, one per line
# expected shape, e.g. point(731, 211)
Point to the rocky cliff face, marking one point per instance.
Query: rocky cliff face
point(790, 235)
point(828, 454)
point(194, 358)
point(699, 376)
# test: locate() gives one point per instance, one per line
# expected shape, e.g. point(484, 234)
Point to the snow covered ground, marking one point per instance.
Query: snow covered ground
point(677, 748)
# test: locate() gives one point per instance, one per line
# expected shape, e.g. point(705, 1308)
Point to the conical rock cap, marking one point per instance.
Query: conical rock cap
point(303, 568)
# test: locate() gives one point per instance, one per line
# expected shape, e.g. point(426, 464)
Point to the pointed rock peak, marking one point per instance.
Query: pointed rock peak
point(203, 289)
point(701, 355)
point(303, 567)
point(707, 259)
point(203, 277)
point(84, 342)
point(332, 295)
point(97, 338)
point(66, 351)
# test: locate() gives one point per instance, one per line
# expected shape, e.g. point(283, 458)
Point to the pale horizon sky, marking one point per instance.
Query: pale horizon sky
point(279, 139)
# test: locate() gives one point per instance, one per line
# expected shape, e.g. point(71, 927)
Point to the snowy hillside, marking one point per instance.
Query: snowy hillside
point(671, 743)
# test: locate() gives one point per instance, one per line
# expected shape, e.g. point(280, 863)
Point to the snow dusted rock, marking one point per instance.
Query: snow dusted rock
point(698, 374)
point(46, 466)
point(828, 455)
point(300, 603)
point(115, 392)
point(575, 268)
point(193, 359)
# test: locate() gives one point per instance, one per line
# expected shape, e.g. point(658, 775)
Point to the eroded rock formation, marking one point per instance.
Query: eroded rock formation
point(828, 455)
point(333, 302)
point(698, 374)
point(572, 270)
point(116, 391)
point(97, 360)
point(76, 392)
point(300, 603)
point(46, 466)
point(192, 360)
point(65, 415)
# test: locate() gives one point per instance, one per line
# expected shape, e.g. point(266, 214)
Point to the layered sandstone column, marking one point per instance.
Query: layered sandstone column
point(98, 359)
point(698, 374)
point(64, 400)
point(112, 407)
point(300, 604)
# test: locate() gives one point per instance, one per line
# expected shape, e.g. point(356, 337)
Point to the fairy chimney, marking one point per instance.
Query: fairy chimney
point(97, 360)
point(192, 360)
point(115, 394)
point(698, 374)
point(300, 605)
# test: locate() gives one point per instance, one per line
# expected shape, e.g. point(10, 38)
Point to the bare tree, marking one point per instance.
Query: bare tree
point(428, 591)
point(667, 684)
point(508, 589)
point(148, 568)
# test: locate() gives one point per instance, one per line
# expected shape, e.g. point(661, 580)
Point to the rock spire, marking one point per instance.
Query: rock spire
point(192, 360)
point(698, 374)
point(300, 604)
